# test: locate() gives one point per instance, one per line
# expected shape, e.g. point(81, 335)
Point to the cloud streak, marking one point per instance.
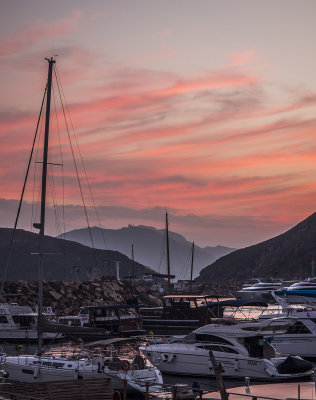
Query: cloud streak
point(39, 31)
point(210, 145)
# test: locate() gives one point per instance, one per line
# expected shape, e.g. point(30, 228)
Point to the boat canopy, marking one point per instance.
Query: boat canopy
point(236, 303)
point(113, 307)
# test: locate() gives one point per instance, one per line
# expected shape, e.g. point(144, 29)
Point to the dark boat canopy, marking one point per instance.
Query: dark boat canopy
point(113, 307)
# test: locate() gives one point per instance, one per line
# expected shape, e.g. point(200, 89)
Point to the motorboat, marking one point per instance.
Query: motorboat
point(240, 352)
point(258, 292)
point(71, 364)
point(300, 292)
point(123, 319)
point(180, 314)
point(292, 335)
point(19, 323)
point(291, 328)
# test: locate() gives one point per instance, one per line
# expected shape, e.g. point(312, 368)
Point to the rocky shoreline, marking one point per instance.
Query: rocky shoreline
point(66, 297)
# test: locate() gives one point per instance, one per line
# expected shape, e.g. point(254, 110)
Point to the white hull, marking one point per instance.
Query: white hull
point(304, 346)
point(182, 359)
point(23, 369)
point(24, 335)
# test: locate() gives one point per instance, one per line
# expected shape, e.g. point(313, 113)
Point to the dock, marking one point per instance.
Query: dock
point(272, 391)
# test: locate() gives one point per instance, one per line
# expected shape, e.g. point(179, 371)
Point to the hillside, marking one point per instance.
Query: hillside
point(61, 256)
point(286, 256)
point(149, 248)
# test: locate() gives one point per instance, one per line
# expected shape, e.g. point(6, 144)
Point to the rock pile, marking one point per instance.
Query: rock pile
point(66, 297)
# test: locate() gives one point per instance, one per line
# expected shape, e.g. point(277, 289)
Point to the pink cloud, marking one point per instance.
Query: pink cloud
point(243, 58)
point(39, 31)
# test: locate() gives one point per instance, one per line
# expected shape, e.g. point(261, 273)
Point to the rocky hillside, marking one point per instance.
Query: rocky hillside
point(149, 248)
point(286, 256)
point(63, 260)
point(66, 298)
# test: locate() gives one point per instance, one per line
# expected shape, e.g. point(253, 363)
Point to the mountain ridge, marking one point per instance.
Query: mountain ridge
point(63, 259)
point(149, 247)
point(288, 256)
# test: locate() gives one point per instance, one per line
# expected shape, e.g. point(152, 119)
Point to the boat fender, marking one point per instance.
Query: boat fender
point(236, 365)
point(76, 374)
point(36, 371)
point(125, 365)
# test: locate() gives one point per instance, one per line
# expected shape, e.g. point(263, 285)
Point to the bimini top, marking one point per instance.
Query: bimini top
point(237, 303)
point(113, 307)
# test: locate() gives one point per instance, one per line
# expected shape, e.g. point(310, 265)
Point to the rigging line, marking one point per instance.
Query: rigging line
point(21, 199)
point(81, 158)
point(186, 267)
point(76, 168)
point(63, 181)
point(52, 180)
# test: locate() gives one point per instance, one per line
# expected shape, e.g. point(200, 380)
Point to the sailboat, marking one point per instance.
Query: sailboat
point(71, 365)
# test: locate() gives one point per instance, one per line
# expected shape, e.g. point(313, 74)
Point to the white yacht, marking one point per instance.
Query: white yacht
point(241, 352)
point(83, 364)
point(258, 292)
point(19, 323)
point(300, 292)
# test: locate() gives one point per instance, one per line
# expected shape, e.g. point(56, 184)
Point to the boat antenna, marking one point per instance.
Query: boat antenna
point(41, 225)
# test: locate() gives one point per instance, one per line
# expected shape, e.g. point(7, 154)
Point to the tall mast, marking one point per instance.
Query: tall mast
point(133, 259)
point(167, 243)
point(41, 225)
point(192, 261)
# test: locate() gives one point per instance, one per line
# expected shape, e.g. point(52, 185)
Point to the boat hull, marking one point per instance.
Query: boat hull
point(192, 361)
point(23, 369)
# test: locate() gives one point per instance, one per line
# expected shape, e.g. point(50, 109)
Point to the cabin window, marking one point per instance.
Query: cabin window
point(46, 363)
point(3, 319)
point(23, 320)
point(298, 327)
point(27, 371)
point(58, 365)
point(211, 338)
point(223, 349)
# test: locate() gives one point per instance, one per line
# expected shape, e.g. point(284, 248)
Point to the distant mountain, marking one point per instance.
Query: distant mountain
point(286, 256)
point(150, 248)
point(63, 260)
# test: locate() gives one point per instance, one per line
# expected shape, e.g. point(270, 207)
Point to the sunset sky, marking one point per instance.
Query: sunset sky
point(203, 108)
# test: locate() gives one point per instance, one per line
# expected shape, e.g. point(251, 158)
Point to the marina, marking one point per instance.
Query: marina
point(97, 325)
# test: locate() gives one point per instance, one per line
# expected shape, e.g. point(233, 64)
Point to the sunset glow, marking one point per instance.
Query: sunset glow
point(209, 113)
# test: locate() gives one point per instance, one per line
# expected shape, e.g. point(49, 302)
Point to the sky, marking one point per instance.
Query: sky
point(205, 109)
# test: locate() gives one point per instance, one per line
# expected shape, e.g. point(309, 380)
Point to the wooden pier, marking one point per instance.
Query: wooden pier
point(273, 391)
